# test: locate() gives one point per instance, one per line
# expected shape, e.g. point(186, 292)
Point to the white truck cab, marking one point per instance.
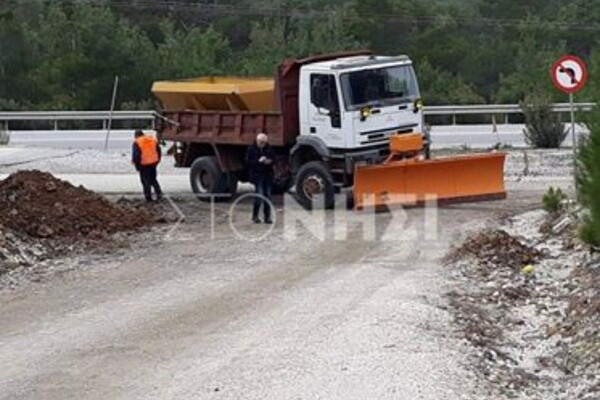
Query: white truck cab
point(356, 103)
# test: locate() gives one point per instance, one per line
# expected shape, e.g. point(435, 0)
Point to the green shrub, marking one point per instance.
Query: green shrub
point(588, 180)
point(589, 232)
point(553, 200)
point(544, 129)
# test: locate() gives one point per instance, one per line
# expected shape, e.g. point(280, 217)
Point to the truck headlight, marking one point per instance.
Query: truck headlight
point(365, 113)
point(418, 105)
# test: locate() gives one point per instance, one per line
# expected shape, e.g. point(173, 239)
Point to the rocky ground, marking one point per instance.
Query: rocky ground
point(526, 295)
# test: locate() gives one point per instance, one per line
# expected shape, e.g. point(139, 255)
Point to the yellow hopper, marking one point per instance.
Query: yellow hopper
point(406, 179)
point(217, 93)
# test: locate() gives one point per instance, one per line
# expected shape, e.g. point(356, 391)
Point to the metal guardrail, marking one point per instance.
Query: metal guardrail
point(57, 116)
point(74, 115)
point(149, 115)
point(487, 109)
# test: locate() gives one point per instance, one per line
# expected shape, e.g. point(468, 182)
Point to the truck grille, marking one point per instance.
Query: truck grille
point(382, 135)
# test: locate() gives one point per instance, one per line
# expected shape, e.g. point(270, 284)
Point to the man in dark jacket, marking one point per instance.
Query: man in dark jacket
point(146, 155)
point(259, 161)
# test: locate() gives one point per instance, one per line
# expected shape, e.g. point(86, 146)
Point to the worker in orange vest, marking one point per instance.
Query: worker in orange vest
point(146, 157)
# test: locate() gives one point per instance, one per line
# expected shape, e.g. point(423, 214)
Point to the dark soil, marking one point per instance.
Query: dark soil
point(42, 217)
point(39, 205)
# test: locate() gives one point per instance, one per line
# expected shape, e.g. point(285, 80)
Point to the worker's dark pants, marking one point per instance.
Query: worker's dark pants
point(149, 181)
point(262, 186)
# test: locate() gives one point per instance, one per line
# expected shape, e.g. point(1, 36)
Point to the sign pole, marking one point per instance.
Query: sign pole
point(112, 109)
point(574, 137)
point(569, 75)
point(572, 104)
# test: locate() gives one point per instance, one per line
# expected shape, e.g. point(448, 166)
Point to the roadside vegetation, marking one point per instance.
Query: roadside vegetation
point(589, 175)
point(544, 129)
point(588, 180)
point(553, 200)
point(65, 54)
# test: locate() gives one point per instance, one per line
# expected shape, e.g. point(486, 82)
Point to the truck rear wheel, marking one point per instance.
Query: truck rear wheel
point(207, 180)
point(314, 186)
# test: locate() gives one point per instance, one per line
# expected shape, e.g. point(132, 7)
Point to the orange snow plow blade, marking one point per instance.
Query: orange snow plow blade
point(413, 182)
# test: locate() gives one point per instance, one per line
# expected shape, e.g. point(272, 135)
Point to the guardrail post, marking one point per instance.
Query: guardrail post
point(55, 124)
point(453, 119)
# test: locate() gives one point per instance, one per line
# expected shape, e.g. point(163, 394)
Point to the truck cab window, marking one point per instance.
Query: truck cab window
point(388, 86)
point(323, 92)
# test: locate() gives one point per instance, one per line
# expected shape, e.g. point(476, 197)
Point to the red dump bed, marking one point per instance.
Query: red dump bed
point(223, 127)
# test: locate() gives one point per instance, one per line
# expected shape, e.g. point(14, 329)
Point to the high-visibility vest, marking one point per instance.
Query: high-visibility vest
point(149, 153)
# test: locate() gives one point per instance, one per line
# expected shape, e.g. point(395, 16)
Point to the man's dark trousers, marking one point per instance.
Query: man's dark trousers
point(149, 181)
point(263, 186)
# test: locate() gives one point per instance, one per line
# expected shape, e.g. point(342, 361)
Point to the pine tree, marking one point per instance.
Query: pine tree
point(589, 174)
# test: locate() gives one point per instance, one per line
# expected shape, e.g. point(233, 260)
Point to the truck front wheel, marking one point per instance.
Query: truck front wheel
point(314, 186)
point(208, 181)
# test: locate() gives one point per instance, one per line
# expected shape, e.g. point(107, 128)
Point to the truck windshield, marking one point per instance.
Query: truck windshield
point(379, 87)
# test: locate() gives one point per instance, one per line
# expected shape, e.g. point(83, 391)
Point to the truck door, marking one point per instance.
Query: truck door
point(324, 112)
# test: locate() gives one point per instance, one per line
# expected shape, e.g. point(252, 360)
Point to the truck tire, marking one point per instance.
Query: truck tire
point(232, 184)
point(208, 181)
point(314, 186)
point(281, 187)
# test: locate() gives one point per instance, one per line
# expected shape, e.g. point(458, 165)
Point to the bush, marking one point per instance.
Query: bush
point(588, 180)
point(544, 128)
point(589, 232)
point(553, 200)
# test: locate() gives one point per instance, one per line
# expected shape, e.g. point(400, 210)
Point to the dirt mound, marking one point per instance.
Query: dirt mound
point(39, 205)
point(496, 248)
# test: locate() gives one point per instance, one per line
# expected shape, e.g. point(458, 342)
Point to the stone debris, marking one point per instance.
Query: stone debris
point(530, 305)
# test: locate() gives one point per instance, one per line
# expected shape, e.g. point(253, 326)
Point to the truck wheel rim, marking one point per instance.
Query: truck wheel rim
point(313, 185)
point(204, 181)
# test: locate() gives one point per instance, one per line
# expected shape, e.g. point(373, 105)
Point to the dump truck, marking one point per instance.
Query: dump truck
point(329, 118)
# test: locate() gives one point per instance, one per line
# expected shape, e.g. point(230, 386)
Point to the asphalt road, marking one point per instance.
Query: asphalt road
point(72, 139)
point(474, 136)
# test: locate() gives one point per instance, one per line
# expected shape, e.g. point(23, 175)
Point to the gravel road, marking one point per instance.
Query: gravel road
point(203, 315)
point(195, 313)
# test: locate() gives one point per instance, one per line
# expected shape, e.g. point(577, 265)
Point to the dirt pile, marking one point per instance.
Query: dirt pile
point(535, 329)
point(42, 217)
point(39, 205)
point(496, 248)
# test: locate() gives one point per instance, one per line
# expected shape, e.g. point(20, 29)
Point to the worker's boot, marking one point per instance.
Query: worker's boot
point(255, 211)
point(268, 219)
